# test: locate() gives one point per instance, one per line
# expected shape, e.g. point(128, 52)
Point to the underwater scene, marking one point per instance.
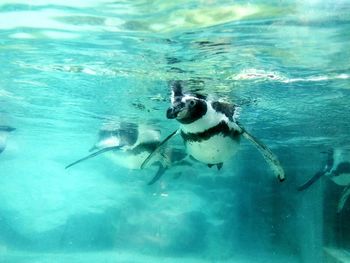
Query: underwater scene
point(174, 131)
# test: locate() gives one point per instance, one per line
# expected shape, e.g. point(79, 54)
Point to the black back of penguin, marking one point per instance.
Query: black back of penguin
point(126, 134)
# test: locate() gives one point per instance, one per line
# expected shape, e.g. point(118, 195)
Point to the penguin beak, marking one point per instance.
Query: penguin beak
point(176, 112)
point(172, 113)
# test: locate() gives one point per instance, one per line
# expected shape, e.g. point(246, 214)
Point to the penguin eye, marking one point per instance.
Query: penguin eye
point(192, 103)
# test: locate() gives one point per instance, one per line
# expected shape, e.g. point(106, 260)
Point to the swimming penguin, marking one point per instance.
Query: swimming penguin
point(210, 130)
point(337, 169)
point(4, 131)
point(130, 144)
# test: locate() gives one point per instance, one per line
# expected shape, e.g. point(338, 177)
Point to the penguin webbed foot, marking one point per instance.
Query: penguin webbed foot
point(218, 165)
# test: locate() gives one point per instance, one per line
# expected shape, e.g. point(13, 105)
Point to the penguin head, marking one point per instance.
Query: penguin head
point(123, 134)
point(185, 108)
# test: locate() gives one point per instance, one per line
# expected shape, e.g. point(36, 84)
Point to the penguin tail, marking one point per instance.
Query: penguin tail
point(311, 181)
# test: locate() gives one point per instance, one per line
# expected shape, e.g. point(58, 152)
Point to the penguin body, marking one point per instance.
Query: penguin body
point(136, 142)
point(129, 145)
point(210, 131)
point(213, 138)
point(340, 171)
point(207, 128)
point(337, 169)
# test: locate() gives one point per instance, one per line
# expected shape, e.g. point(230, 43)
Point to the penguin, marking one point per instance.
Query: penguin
point(210, 130)
point(337, 169)
point(4, 131)
point(130, 144)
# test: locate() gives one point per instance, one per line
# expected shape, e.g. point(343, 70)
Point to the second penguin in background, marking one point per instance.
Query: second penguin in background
point(129, 144)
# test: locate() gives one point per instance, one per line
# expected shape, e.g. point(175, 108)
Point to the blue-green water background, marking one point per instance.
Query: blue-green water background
point(67, 68)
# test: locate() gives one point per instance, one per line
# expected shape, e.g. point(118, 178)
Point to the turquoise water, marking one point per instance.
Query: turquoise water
point(69, 68)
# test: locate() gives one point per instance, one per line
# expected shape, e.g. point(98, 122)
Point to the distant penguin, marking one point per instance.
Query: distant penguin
point(130, 144)
point(337, 169)
point(4, 131)
point(210, 130)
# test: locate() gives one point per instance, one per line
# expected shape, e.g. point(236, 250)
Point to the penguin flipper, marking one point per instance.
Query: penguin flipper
point(7, 128)
point(268, 155)
point(310, 182)
point(159, 174)
point(344, 198)
point(107, 149)
point(146, 161)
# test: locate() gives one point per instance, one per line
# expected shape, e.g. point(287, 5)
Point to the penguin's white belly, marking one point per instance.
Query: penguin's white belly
point(128, 160)
point(343, 179)
point(215, 150)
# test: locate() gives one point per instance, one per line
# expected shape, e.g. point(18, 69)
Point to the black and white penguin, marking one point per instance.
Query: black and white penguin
point(130, 144)
point(4, 132)
point(210, 129)
point(337, 169)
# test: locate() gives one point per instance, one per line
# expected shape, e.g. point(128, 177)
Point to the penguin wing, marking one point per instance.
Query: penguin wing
point(326, 171)
point(6, 128)
point(146, 161)
point(268, 155)
point(107, 149)
point(159, 174)
point(310, 182)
